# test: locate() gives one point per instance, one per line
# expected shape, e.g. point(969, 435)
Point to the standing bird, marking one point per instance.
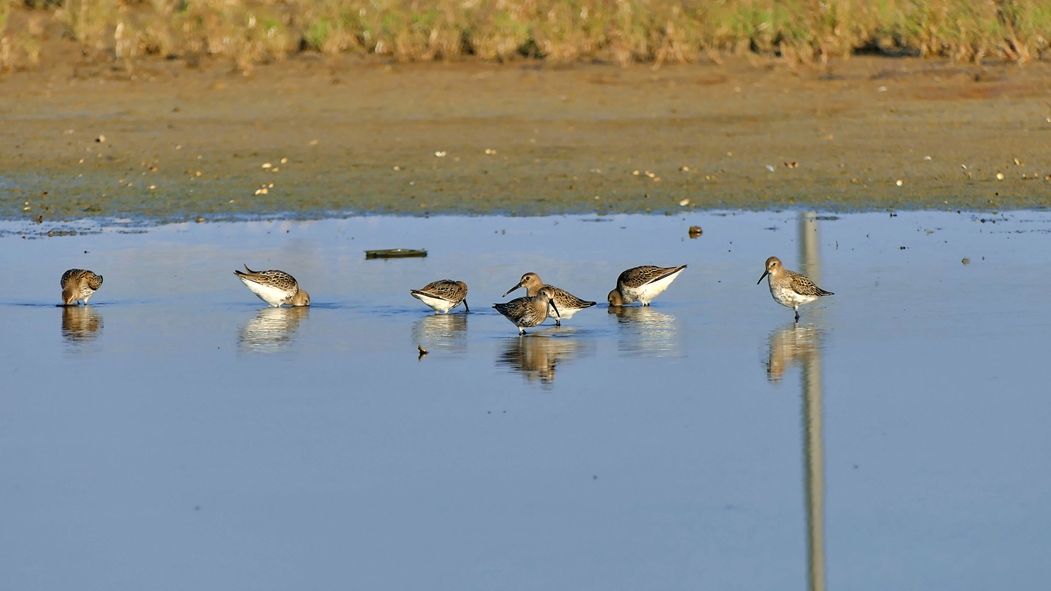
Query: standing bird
point(443, 295)
point(78, 285)
point(529, 311)
point(274, 287)
point(790, 289)
point(568, 304)
point(642, 284)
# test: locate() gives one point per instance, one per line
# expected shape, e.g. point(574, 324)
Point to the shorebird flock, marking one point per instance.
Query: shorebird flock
point(542, 301)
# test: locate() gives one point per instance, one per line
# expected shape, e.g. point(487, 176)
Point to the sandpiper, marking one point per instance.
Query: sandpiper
point(274, 287)
point(790, 289)
point(443, 295)
point(642, 284)
point(78, 285)
point(568, 304)
point(529, 311)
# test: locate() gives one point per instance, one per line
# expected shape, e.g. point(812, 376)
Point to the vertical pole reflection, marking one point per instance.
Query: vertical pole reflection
point(813, 443)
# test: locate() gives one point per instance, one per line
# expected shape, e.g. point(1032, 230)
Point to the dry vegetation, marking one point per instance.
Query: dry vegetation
point(249, 32)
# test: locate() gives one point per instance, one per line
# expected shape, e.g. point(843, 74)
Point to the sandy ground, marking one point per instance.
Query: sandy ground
point(316, 135)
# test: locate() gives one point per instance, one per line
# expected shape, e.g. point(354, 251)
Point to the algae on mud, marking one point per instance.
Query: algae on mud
point(316, 136)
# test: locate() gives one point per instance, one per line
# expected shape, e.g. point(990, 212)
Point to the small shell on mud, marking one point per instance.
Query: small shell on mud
point(899, 182)
point(267, 165)
point(999, 176)
point(685, 202)
point(440, 154)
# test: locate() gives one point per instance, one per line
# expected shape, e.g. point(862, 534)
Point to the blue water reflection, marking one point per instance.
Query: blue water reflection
point(178, 431)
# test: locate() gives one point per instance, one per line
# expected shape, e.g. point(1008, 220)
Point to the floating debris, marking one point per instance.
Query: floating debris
point(423, 352)
point(695, 231)
point(966, 261)
point(394, 253)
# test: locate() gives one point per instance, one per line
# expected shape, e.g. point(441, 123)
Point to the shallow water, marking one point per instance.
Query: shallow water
point(177, 431)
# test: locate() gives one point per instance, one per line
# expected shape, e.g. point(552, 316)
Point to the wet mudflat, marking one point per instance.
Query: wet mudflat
point(312, 136)
point(176, 430)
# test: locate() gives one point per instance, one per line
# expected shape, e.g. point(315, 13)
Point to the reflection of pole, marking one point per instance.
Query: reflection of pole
point(815, 470)
point(809, 258)
point(812, 429)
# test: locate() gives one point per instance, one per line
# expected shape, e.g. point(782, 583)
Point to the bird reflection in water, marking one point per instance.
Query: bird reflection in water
point(80, 324)
point(272, 329)
point(645, 332)
point(537, 357)
point(791, 345)
point(446, 333)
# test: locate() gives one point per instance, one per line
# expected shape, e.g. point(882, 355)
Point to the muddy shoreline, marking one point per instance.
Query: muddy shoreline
point(318, 136)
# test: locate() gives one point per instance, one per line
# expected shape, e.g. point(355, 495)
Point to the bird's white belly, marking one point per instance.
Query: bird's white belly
point(564, 312)
point(437, 304)
point(788, 297)
point(269, 294)
point(647, 292)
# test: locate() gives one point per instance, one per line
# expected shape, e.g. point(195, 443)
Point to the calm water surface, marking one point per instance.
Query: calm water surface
point(176, 434)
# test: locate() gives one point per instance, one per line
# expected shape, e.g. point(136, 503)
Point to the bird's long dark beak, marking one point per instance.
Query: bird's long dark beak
point(510, 290)
point(465, 306)
point(765, 273)
point(555, 308)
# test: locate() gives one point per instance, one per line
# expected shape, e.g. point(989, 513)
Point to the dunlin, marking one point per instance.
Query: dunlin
point(274, 287)
point(443, 295)
point(642, 284)
point(790, 289)
point(529, 311)
point(78, 285)
point(568, 304)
